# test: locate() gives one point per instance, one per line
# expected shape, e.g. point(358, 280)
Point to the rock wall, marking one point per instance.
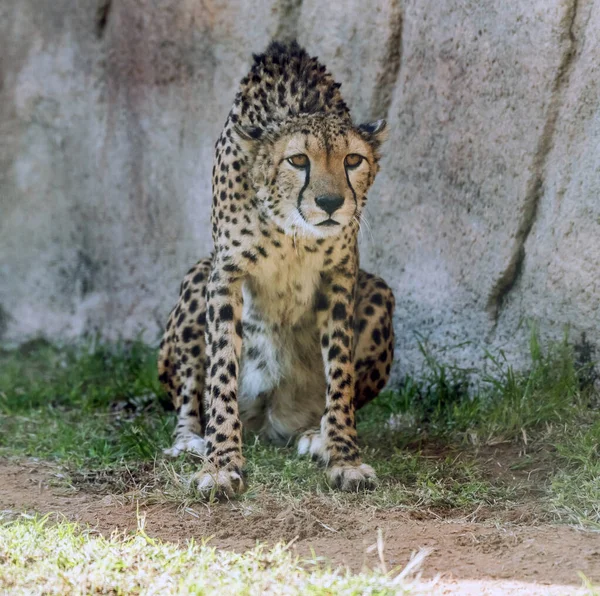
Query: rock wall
point(486, 212)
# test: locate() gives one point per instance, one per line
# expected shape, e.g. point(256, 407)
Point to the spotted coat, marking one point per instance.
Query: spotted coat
point(280, 330)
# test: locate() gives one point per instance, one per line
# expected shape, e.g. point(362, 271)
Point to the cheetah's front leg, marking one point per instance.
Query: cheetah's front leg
point(335, 310)
point(223, 471)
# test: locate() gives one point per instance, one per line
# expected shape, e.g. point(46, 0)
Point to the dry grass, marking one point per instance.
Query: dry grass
point(60, 558)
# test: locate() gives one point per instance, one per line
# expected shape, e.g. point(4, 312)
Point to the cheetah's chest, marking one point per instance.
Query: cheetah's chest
point(282, 291)
point(282, 383)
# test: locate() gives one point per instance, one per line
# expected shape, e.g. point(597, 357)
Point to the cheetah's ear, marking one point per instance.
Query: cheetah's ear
point(248, 133)
point(248, 137)
point(374, 132)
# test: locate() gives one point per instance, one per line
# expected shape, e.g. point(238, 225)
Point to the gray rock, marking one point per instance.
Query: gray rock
point(458, 191)
point(109, 116)
point(559, 281)
point(486, 212)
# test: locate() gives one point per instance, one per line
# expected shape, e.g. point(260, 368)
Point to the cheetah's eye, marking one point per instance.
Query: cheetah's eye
point(299, 161)
point(353, 160)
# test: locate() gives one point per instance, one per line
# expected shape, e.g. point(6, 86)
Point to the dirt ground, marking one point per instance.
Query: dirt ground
point(518, 549)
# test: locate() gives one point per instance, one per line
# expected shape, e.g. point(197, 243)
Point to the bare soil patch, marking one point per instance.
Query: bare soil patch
point(462, 549)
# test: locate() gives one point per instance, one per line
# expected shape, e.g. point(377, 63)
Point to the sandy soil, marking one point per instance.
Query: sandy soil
point(470, 557)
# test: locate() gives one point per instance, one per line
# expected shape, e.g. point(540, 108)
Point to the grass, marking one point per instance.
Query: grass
point(93, 405)
point(37, 557)
point(436, 444)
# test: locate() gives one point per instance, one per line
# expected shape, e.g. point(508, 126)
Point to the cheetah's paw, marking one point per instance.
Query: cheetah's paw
point(220, 483)
point(311, 443)
point(352, 478)
point(188, 442)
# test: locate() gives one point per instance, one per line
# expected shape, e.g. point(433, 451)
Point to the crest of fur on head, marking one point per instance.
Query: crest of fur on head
point(309, 164)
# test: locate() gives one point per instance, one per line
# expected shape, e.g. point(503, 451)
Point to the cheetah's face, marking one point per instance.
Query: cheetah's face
point(313, 181)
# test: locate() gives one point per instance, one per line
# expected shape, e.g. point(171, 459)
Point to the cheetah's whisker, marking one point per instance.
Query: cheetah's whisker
point(365, 221)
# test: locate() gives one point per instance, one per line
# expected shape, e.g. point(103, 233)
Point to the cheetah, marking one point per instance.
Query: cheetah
point(280, 330)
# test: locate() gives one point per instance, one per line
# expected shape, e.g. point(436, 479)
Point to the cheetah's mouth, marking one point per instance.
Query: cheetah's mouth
point(329, 222)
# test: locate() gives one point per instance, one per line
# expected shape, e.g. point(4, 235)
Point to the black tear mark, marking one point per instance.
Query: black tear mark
point(102, 14)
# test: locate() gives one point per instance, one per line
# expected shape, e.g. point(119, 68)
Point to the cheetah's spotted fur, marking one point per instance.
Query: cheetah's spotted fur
point(280, 330)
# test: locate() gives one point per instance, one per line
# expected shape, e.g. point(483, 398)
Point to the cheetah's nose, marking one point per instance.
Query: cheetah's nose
point(329, 203)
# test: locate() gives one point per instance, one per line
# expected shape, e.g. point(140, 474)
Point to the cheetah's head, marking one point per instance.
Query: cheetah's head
point(312, 174)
